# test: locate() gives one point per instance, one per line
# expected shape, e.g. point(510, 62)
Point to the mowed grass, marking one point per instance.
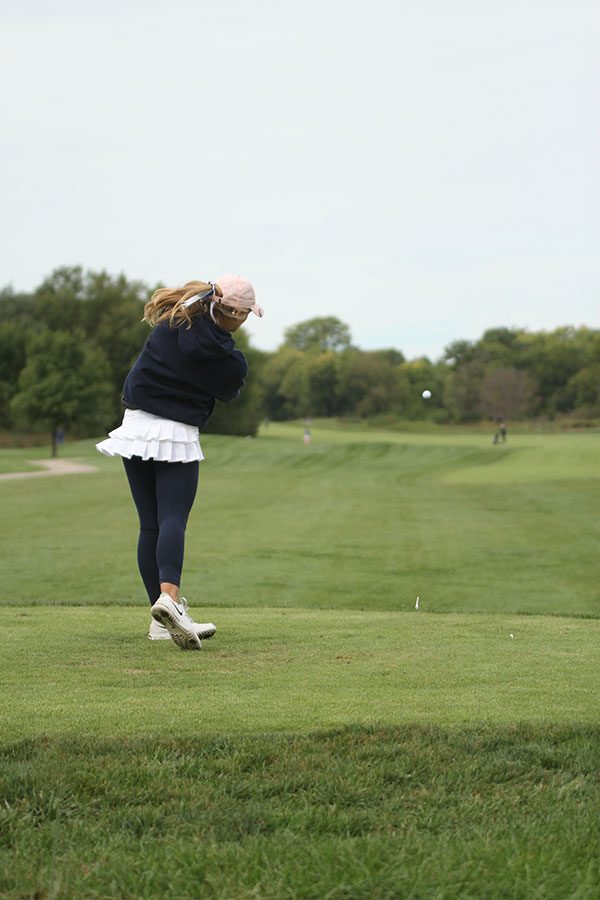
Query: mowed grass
point(331, 741)
point(355, 520)
point(16, 460)
point(271, 670)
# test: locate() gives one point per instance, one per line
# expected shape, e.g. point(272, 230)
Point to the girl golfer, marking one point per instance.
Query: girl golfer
point(189, 360)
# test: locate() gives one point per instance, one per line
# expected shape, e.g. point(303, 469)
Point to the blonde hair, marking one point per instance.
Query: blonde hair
point(166, 303)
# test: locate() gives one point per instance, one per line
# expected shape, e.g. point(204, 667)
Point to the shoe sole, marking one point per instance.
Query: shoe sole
point(185, 640)
point(202, 636)
point(206, 635)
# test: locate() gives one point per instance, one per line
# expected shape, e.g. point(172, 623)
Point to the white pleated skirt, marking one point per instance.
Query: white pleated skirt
point(152, 437)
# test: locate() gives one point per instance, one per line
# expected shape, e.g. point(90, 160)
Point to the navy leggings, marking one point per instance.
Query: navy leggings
point(163, 493)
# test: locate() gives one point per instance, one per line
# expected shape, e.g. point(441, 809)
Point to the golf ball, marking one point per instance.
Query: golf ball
point(426, 395)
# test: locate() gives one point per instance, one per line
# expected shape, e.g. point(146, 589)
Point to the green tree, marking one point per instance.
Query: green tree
point(319, 335)
point(584, 390)
point(391, 355)
point(65, 383)
point(499, 346)
point(12, 361)
point(108, 308)
point(552, 359)
point(16, 308)
point(459, 352)
point(286, 385)
point(506, 393)
point(323, 376)
point(58, 301)
point(462, 391)
point(421, 374)
point(369, 384)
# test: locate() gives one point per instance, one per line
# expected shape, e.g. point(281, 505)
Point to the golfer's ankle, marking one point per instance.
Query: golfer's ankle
point(171, 589)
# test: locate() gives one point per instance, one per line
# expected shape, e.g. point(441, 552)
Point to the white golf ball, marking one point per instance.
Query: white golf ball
point(426, 395)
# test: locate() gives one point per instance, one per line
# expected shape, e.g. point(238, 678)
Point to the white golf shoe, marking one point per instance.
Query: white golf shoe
point(177, 622)
point(158, 632)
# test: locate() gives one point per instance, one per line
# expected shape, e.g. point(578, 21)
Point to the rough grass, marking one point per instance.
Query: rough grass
point(413, 811)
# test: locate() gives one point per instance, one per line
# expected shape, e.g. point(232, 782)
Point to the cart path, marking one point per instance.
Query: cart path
point(51, 467)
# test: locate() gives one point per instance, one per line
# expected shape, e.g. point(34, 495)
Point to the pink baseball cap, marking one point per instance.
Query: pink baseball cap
point(238, 293)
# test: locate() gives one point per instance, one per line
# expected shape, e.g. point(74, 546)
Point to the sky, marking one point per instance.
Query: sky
point(422, 170)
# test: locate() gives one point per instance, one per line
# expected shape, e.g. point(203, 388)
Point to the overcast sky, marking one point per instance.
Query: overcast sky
point(422, 169)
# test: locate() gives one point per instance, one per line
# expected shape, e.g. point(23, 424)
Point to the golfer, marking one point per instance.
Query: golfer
point(189, 360)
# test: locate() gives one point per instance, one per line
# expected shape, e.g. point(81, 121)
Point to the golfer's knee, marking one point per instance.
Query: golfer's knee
point(174, 525)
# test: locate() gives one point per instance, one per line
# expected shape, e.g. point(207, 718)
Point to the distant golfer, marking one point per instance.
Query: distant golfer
point(189, 360)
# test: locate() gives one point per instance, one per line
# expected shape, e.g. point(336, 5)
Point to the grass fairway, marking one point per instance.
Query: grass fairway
point(331, 741)
point(355, 520)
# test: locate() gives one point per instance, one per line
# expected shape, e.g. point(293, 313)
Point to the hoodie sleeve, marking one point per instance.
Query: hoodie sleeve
point(227, 376)
point(220, 368)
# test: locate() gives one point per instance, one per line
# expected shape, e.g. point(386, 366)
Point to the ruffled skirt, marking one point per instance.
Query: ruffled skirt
point(152, 437)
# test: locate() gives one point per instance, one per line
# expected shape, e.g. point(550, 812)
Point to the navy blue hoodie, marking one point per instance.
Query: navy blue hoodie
point(181, 370)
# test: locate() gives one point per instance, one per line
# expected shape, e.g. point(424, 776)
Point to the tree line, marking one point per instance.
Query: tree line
point(66, 347)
